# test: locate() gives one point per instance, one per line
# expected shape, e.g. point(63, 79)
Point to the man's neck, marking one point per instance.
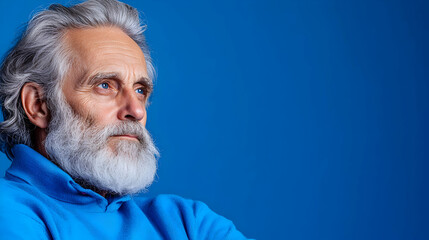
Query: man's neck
point(86, 185)
point(38, 140)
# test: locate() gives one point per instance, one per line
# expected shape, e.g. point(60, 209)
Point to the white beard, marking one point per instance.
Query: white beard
point(81, 149)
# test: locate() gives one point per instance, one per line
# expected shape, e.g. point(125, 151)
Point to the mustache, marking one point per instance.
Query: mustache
point(122, 128)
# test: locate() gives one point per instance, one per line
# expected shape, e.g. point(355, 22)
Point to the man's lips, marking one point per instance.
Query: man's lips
point(126, 136)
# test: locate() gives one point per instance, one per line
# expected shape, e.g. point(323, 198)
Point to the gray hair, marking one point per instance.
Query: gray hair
point(39, 56)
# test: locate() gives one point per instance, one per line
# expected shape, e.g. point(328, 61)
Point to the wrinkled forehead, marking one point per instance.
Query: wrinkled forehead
point(105, 49)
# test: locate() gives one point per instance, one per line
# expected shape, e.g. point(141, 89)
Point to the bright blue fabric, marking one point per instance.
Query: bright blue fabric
point(40, 201)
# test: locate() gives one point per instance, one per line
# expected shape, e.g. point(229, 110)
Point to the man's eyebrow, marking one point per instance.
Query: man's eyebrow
point(100, 76)
point(146, 82)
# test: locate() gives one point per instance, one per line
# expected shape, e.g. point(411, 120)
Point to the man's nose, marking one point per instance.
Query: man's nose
point(132, 108)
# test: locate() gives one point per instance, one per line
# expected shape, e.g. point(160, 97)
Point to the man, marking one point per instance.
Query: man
point(74, 91)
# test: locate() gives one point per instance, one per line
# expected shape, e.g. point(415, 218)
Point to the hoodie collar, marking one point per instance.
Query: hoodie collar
point(36, 170)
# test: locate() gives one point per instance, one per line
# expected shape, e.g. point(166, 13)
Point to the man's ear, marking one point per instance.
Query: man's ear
point(34, 104)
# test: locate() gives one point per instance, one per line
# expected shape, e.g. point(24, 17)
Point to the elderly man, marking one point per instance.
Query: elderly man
point(74, 91)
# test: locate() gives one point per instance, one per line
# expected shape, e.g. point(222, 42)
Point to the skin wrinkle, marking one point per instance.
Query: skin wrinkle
point(121, 56)
point(89, 83)
point(145, 82)
point(88, 75)
point(108, 45)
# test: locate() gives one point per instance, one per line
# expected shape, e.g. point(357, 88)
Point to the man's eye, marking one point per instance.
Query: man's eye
point(140, 91)
point(103, 85)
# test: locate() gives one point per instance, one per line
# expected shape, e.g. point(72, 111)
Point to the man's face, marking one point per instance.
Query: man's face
point(97, 133)
point(108, 82)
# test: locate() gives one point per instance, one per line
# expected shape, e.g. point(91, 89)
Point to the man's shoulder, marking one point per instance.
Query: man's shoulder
point(20, 210)
point(17, 195)
point(198, 219)
point(12, 190)
point(20, 207)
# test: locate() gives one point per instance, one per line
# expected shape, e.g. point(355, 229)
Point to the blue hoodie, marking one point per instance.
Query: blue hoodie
point(38, 200)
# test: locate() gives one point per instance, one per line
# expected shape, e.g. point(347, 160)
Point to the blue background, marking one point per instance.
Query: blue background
point(295, 119)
